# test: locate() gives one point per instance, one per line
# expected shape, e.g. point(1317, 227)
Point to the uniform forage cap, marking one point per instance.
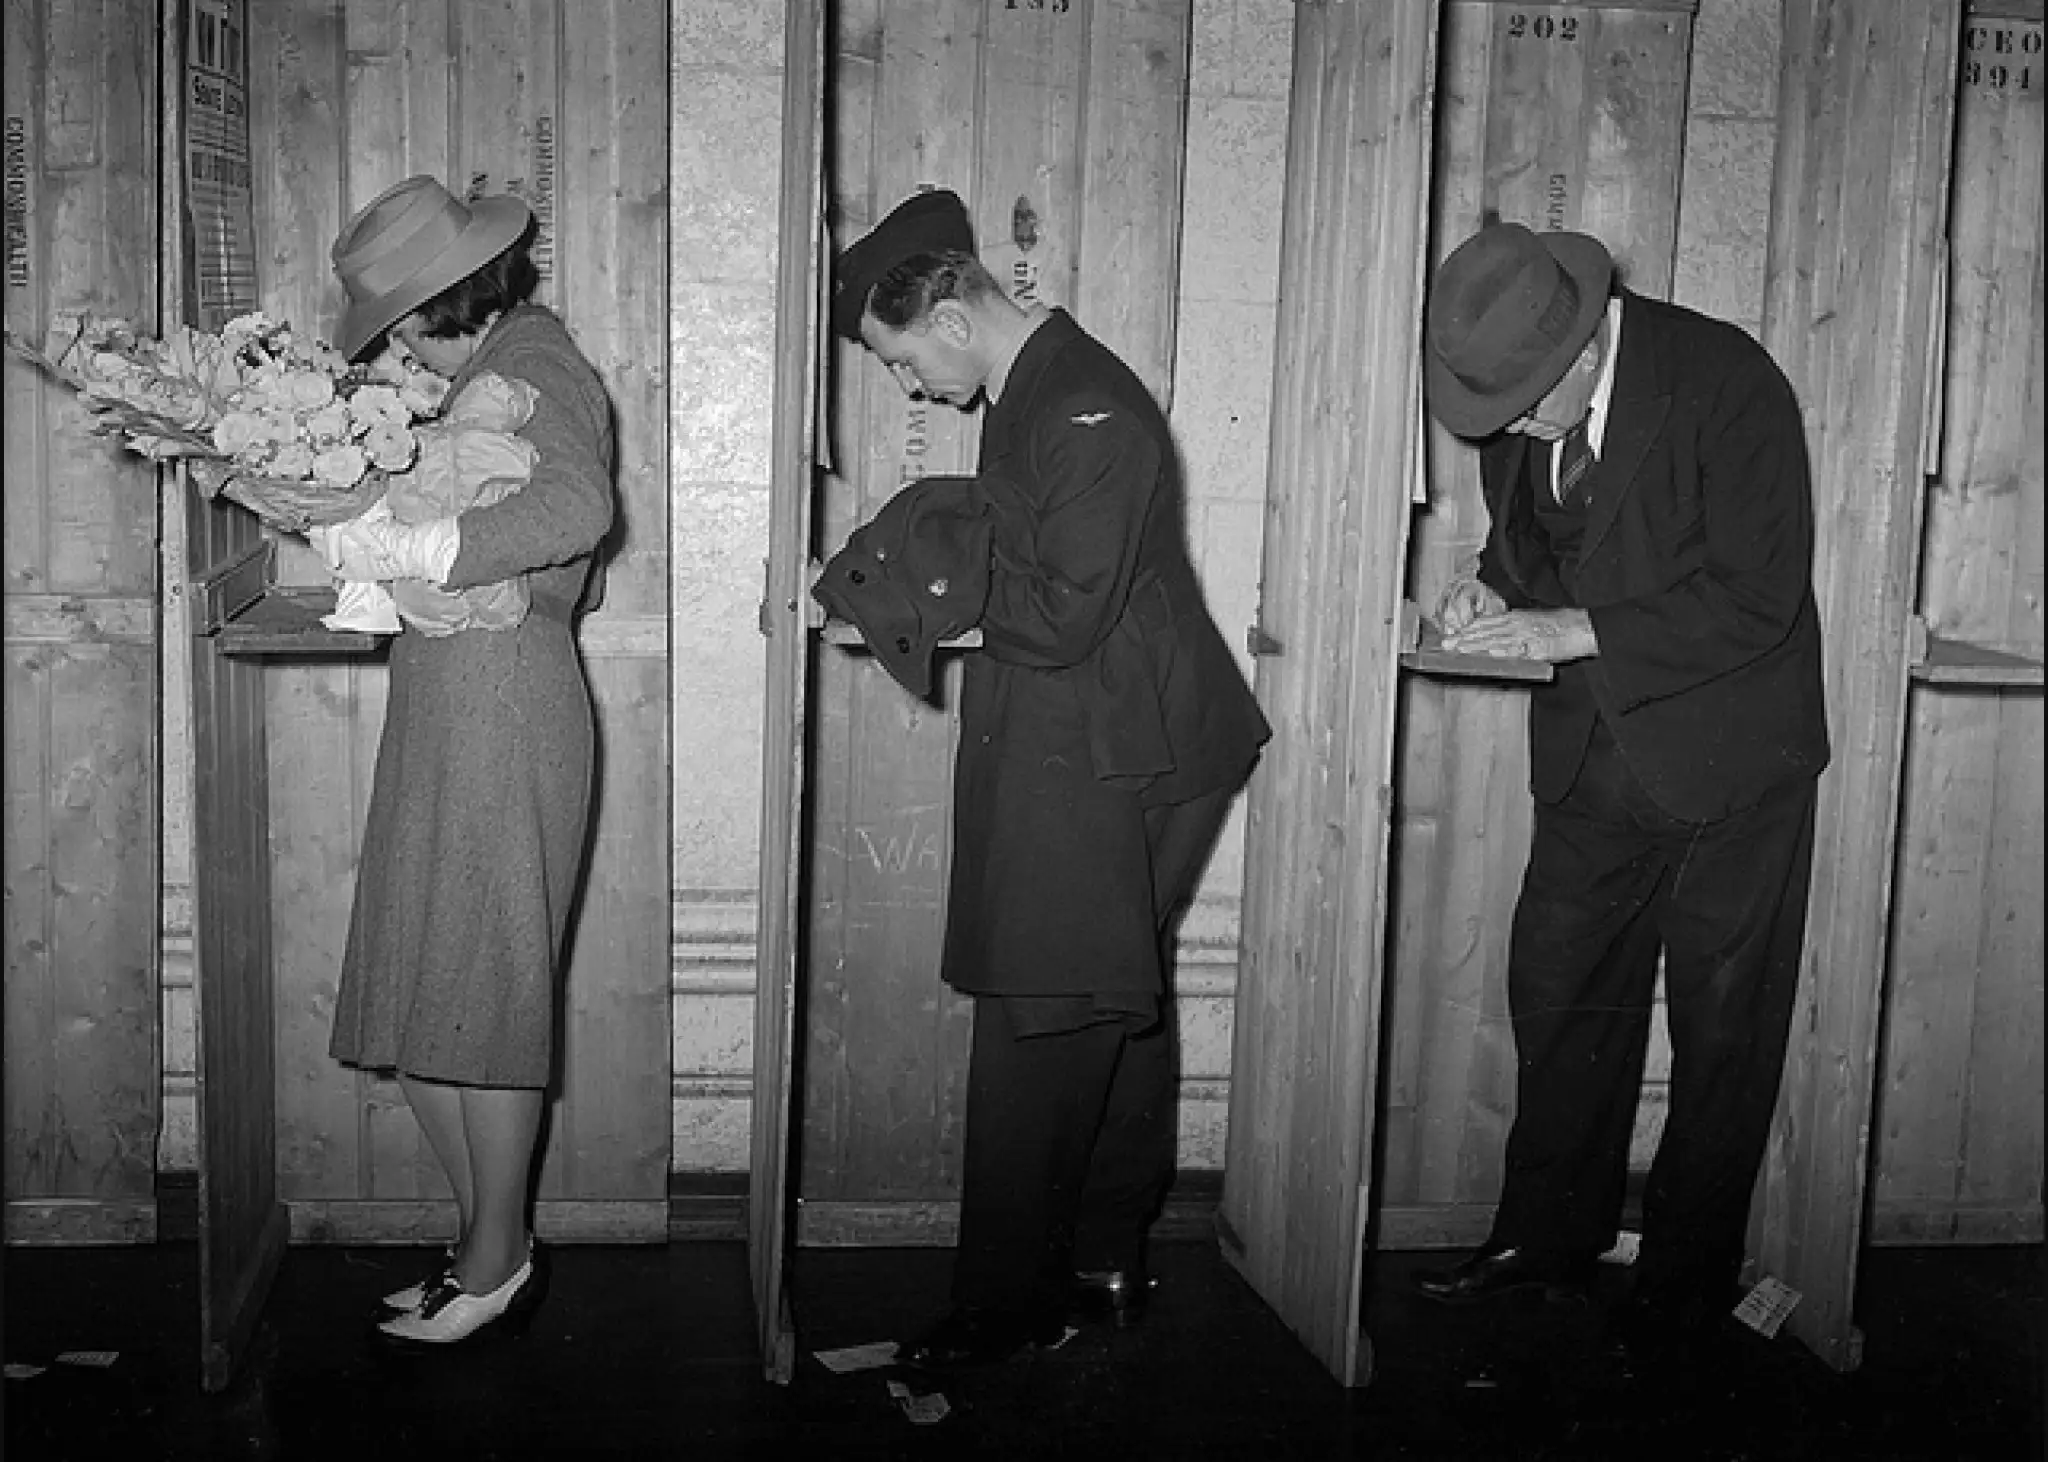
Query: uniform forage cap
point(409, 243)
point(932, 221)
point(913, 575)
point(1509, 312)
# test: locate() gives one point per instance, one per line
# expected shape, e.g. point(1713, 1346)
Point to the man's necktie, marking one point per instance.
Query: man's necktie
point(1574, 462)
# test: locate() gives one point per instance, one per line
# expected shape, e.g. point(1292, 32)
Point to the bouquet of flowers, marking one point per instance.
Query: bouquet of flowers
point(281, 424)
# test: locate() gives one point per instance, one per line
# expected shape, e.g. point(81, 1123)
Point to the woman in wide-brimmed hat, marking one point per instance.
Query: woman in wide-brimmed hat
point(474, 844)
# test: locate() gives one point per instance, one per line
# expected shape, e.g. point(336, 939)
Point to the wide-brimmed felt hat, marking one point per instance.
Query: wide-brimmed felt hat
point(913, 575)
point(408, 244)
point(1509, 312)
point(930, 221)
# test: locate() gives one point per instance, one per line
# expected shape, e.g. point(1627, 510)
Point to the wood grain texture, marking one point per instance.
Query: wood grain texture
point(885, 1050)
point(494, 98)
point(1960, 1104)
point(1866, 114)
point(597, 173)
point(1557, 117)
point(802, 268)
point(81, 867)
point(1307, 1036)
point(1063, 129)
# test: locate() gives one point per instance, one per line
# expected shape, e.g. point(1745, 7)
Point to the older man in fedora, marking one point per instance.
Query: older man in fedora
point(1651, 536)
point(1104, 728)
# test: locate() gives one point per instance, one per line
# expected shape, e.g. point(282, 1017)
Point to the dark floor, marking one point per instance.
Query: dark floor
point(650, 1352)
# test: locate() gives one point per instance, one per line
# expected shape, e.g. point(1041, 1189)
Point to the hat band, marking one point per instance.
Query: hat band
point(437, 232)
point(1503, 373)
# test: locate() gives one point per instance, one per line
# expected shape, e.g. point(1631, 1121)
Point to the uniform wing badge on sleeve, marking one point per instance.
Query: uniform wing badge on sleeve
point(1089, 418)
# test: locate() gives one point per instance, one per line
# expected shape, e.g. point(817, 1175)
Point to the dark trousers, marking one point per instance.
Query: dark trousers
point(1611, 879)
point(1071, 1134)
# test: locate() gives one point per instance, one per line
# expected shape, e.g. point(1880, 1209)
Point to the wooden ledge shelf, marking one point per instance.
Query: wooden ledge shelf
point(839, 632)
point(1938, 661)
point(244, 613)
point(1422, 652)
point(285, 622)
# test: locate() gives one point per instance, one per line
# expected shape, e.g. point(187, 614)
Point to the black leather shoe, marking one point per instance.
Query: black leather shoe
point(1121, 1295)
point(972, 1335)
point(1493, 1272)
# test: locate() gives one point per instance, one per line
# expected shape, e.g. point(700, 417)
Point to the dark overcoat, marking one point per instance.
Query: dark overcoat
point(1102, 688)
point(1696, 565)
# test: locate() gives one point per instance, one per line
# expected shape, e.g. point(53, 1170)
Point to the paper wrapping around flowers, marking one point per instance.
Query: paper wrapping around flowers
point(288, 503)
point(282, 424)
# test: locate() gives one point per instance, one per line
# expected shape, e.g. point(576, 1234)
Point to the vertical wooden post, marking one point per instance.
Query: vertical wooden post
point(798, 355)
point(1854, 313)
point(1959, 1154)
point(1346, 433)
point(82, 1089)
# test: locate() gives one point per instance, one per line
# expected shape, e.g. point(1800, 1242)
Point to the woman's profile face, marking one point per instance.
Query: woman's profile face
point(444, 355)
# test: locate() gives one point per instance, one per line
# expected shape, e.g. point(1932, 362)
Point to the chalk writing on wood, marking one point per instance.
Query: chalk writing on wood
point(919, 850)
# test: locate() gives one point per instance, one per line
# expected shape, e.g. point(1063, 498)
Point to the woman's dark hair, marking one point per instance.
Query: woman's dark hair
point(506, 280)
point(906, 293)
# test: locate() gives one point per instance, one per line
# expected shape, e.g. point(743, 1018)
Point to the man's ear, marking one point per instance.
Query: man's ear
point(952, 323)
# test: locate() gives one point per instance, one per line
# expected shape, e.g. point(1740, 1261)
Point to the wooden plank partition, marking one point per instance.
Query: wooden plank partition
point(1557, 117)
point(507, 96)
point(82, 1083)
point(1346, 440)
point(800, 350)
point(1958, 1146)
point(1063, 130)
point(1853, 313)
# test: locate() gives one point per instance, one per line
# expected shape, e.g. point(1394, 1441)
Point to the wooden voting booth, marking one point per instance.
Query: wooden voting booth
point(1371, 1082)
point(1062, 128)
point(270, 720)
point(1957, 1132)
point(1559, 118)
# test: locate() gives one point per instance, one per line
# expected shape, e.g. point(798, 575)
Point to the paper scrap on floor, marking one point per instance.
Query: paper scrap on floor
point(1765, 1307)
point(922, 1410)
point(1627, 1244)
point(858, 1357)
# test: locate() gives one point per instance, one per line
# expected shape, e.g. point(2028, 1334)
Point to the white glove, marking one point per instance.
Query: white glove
point(375, 547)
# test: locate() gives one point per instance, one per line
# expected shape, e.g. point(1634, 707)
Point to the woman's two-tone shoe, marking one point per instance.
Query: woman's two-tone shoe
point(451, 1315)
point(415, 1295)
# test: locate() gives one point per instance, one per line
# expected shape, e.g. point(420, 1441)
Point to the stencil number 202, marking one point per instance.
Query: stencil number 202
point(1543, 27)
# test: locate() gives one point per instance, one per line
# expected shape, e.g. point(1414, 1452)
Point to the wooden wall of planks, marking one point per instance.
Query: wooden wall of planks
point(1958, 1138)
point(1062, 129)
point(570, 112)
point(1557, 117)
point(357, 94)
point(82, 1085)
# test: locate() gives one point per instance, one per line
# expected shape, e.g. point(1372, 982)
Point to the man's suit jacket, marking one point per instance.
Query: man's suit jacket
point(1696, 566)
point(1103, 687)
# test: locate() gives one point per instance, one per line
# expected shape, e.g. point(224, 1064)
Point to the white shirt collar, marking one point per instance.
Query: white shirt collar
point(1603, 389)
